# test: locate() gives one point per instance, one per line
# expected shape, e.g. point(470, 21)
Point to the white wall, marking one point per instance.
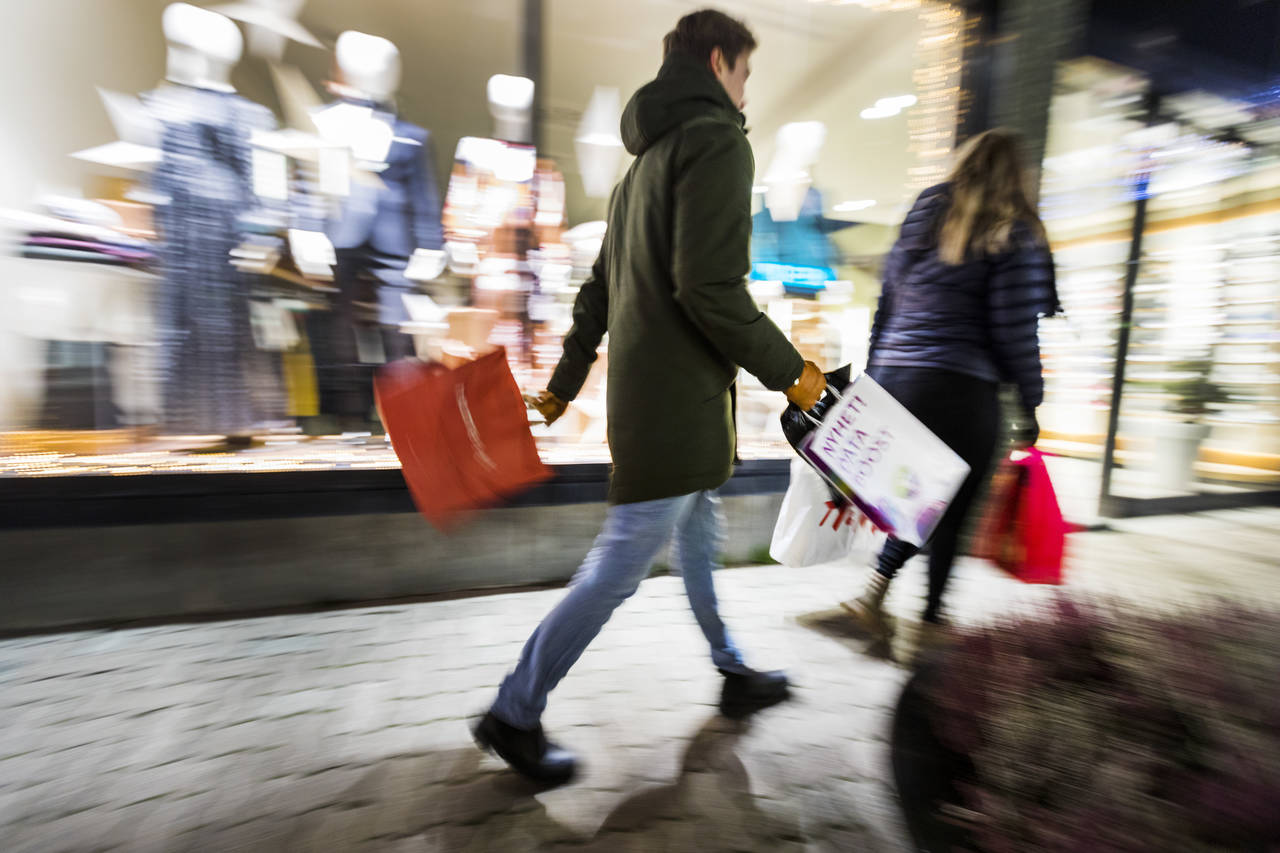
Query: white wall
point(52, 55)
point(54, 52)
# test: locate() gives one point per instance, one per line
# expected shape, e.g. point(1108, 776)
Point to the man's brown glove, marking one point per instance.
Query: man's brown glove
point(808, 388)
point(548, 405)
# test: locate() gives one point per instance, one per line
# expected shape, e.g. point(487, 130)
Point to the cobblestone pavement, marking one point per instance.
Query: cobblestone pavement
point(348, 730)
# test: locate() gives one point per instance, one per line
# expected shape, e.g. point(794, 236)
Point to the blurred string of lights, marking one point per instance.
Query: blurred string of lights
point(931, 124)
point(945, 34)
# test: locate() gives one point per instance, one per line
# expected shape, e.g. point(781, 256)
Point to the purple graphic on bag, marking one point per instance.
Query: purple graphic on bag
point(875, 514)
point(879, 457)
point(928, 519)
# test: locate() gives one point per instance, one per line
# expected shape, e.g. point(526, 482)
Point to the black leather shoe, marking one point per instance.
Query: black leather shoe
point(528, 752)
point(746, 693)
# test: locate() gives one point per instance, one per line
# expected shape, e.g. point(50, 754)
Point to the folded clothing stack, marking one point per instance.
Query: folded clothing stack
point(57, 245)
point(82, 231)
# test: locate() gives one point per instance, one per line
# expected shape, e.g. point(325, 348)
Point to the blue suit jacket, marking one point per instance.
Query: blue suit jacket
point(403, 216)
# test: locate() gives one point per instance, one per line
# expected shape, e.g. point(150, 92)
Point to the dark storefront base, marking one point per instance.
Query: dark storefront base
point(97, 551)
point(89, 500)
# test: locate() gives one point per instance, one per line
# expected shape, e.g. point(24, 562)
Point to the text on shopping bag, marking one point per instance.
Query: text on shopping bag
point(843, 515)
point(851, 451)
point(892, 467)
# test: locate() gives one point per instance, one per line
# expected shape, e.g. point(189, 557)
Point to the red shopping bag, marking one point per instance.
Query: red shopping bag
point(1022, 529)
point(462, 434)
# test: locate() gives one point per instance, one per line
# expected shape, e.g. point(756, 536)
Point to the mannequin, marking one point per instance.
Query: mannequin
point(390, 217)
point(205, 175)
point(790, 236)
point(788, 178)
point(511, 105)
point(204, 47)
point(201, 53)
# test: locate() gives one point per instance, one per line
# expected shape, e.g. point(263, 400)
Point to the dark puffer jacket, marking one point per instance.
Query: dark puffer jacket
point(979, 318)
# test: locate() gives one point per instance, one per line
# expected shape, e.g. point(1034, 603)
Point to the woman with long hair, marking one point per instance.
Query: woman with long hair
point(964, 287)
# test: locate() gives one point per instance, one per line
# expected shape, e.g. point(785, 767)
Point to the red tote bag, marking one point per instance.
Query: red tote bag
point(1022, 530)
point(461, 435)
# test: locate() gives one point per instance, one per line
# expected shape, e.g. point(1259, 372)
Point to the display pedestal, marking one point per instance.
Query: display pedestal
point(1176, 447)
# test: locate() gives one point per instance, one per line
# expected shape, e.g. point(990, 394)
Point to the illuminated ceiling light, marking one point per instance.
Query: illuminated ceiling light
point(272, 23)
point(853, 206)
point(889, 107)
point(598, 144)
point(603, 140)
point(900, 102)
point(879, 112)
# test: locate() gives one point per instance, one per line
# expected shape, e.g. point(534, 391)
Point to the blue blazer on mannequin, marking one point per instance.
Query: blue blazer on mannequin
point(404, 214)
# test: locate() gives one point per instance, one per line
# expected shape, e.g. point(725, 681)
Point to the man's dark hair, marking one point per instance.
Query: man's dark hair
point(697, 33)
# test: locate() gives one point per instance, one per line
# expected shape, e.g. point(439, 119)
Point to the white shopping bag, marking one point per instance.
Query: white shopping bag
point(875, 452)
point(811, 528)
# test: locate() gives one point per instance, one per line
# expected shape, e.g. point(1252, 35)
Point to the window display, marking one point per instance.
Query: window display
point(1198, 409)
point(389, 214)
point(1201, 407)
point(252, 250)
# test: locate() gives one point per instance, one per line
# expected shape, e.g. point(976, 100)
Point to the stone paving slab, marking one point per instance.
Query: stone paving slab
point(347, 730)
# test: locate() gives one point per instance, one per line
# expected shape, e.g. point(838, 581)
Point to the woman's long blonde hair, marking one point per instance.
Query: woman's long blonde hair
point(988, 195)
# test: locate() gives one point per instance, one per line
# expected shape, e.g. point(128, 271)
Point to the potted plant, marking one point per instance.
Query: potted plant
point(1177, 441)
point(1090, 727)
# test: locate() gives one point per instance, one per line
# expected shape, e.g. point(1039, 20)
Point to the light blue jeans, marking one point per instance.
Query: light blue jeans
point(632, 538)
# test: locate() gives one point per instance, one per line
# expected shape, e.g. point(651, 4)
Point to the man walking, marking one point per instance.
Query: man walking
point(669, 289)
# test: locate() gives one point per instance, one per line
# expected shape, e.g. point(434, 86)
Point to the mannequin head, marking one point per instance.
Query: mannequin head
point(511, 105)
point(800, 142)
point(788, 178)
point(369, 65)
point(203, 46)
